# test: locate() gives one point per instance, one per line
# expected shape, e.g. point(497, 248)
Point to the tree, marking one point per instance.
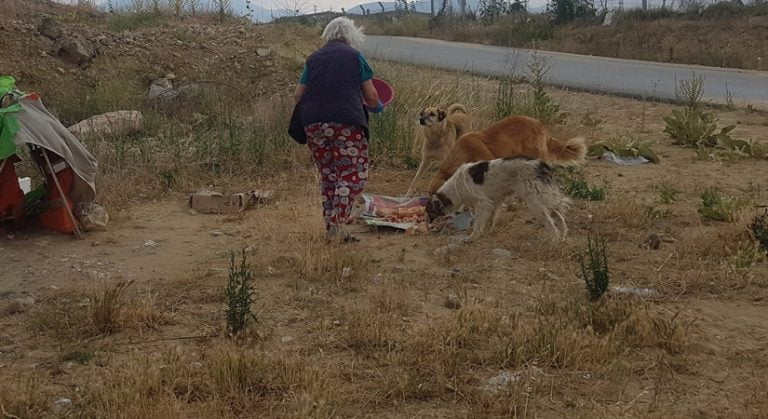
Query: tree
point(565, 11)
point(293, 7)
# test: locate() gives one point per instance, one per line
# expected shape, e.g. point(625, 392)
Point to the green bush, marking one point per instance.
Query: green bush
point(535, 102)
point(693, 127)
point(564, 11)
point(573, 183)
point(594, 267)
point(239, 296)
point(714, 206)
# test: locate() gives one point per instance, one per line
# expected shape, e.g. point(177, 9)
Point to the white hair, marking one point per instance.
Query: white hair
point(343, 28)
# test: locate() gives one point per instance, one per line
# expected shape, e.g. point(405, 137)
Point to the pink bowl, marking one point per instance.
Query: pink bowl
point(386, 93)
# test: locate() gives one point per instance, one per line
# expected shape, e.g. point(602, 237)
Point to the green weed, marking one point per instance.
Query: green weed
point(239, 295)
point(594, 267)
point(714, 206)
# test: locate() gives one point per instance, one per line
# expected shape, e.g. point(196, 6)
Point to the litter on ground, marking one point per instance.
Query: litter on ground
point(610, 156)
point(211, 202)
point(641, 292)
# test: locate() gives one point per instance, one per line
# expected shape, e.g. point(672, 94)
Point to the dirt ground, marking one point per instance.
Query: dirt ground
point(710, 311)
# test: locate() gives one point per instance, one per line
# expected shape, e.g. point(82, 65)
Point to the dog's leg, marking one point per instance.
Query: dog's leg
point(496, 213)
point(483, 214)
point(541, 212)
point(563, 226)
point(422, 168)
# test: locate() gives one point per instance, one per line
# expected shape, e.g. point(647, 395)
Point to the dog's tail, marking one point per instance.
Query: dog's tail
point(571, 151)
point(457, 107)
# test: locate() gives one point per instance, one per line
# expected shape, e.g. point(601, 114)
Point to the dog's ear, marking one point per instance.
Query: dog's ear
point(441, 115)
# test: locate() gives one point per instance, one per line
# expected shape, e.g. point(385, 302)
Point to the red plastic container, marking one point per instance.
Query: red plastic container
point(386, 93)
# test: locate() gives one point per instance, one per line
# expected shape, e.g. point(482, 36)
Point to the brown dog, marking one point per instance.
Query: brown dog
point(515, 136)
point(441, 129)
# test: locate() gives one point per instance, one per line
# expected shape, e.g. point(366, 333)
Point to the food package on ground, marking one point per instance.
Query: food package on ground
point(396, 212)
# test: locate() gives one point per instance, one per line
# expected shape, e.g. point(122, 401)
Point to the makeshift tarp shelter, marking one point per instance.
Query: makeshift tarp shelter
point(69, 169)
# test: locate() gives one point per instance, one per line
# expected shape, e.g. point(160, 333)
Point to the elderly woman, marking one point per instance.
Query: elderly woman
point(332, 96)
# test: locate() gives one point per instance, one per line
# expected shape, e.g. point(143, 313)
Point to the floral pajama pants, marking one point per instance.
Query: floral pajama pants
point(340, 152)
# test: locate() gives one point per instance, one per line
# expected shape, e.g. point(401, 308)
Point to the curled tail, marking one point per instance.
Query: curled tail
point(456, 107)
point(571, 151)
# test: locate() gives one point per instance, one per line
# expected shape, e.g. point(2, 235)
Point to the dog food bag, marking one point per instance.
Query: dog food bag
point(396, 212)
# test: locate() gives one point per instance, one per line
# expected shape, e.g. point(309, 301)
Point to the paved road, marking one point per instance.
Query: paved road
point(598, 74)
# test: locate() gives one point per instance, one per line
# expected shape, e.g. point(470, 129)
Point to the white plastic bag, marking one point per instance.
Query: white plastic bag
point(92, 216)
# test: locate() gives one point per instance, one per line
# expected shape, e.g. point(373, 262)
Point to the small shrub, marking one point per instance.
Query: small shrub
point(714, 206)
point(655, 213)
point(223, 9)
point(590, 122)
point(747, 257)
point(594, 267)
point(392, 138)
point(535, 102)
point(573, 183)
point(545, 108)
point(505, 99)
point(565, 11)
point(168, 179)
point(693, 127)
point(105, 308)
point(239, 295)
point(690, 91)
point(667, 193)
point(759, 229)
point(580, 189)
point(734, 149)
point(670, 333)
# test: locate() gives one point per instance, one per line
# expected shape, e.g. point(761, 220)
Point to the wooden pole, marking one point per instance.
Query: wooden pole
point(78, 233)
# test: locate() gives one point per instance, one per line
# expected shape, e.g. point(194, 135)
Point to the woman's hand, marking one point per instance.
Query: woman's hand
point(377, 109)
point(370, 95)
point(299, 92)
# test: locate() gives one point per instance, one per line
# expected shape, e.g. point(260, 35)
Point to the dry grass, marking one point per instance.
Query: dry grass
point(322, 262)
point(223, 381)
point(104, 311)
point(22, 396)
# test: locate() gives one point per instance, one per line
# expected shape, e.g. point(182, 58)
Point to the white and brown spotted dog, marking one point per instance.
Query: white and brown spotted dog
point(483, 187)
